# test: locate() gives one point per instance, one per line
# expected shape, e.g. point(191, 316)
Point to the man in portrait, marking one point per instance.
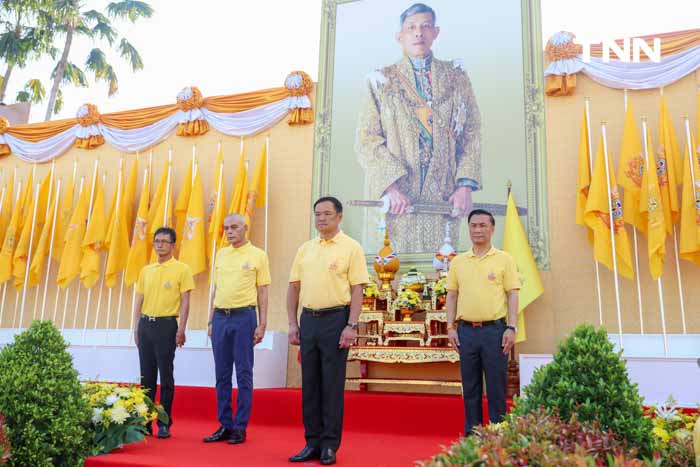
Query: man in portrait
point(419, 137)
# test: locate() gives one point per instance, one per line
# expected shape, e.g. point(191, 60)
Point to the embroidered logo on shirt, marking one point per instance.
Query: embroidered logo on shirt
point(333, 266)
point(492, 276)
point(246, 266)
point(168, 285)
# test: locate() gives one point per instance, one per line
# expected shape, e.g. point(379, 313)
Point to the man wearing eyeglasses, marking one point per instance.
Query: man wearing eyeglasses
point(162, 295)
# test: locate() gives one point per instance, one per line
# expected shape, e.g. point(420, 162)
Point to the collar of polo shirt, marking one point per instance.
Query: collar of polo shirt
point(471, 254)
point(242, 247)
point(330, 240)
point(165, 263)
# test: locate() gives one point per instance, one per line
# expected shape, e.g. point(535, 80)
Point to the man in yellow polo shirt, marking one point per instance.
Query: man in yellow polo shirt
point(241, 281)
point(327, 277)
point(482, 310)
point(162, 294)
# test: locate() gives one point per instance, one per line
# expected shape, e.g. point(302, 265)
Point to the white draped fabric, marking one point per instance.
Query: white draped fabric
point(626, 75)
point(243, 123)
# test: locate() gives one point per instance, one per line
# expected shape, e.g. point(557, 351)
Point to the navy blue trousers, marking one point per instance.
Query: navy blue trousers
point(480, 353)
point(232, 343)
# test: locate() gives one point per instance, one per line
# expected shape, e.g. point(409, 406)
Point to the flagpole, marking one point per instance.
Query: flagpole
point(215, 240)
point(267, 187)
point(114, 221)
point(4, 286)
point(167, 187)
point(48, 266)
point(58, 289)
point(48, 210)
point(612, 234)
point(29, 257)
point(590, 170)
point(636, 259)
point(662, 310)
point(147, 178)
point(87, 226)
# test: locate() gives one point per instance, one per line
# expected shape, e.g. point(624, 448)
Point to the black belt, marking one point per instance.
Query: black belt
point(157, 318)
point(319, 312)
point(479, 324)
point(230, 311)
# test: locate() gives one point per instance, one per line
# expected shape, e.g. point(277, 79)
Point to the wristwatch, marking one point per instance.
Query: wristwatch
point(352, 326)
point(515, 330)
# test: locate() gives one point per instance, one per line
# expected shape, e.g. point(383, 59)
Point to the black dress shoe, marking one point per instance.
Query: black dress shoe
point(327, 456)
point(163, 432)
point(222, 434)
point(237, 437)
point(306, 454)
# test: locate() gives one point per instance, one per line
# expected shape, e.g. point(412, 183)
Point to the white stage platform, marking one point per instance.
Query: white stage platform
point(657, 376)
point(111, 356)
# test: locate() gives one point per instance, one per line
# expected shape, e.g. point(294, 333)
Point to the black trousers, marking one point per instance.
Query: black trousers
point(156, 355)
point(323, 378)
point(480, 353)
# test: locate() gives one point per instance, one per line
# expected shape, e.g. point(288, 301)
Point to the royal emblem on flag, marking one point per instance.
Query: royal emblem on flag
point(616, 209)
point(661, 170)
point(190, 224)
point(140, 228)
point(635, 170)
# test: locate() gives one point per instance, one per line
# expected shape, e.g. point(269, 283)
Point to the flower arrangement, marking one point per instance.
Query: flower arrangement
point(440, 288)
point(407, 298)
point(120, 413)
point(4, 442)
point(673, 432)
point(370, 290)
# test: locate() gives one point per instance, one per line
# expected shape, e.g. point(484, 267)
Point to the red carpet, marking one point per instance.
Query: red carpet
point(379, 430)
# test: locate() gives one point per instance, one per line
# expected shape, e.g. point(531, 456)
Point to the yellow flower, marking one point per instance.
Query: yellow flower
point(661, 434)
point(141, 409)
point(119, 414)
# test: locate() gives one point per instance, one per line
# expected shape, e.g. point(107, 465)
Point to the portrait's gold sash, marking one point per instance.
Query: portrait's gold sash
point(424, 113)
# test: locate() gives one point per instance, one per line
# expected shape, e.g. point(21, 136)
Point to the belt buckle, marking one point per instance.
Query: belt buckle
point(477, 324)
point(227, 311)
point(151, 318)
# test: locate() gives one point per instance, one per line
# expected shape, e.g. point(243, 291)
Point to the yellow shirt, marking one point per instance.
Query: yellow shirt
point(327, 269)
point(161, 285)
point(237, 274)
point(482, 283)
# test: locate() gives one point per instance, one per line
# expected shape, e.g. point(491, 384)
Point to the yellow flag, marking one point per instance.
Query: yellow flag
point(65, 209)
point(93, 242)
point(69, 268)
point(116, 194)
point(160, 214)
point(141, 240)
point(630, 170)
point(583, 179)
point(667, 165)
point(217, 210)
point(6, 207)
point(26, 197)
point(119, 242)
point(183, 199)
point(515, 242)
point(10, 240)
point(690, 210)
point(257, 196)
point(129, 194)
point(652, 214)
point(598, 218)
point(43, 246)
point(239, 196)
point(193, 246)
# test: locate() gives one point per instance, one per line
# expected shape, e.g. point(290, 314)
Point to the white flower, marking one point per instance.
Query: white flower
point(97, 415)
point(111, 399)
point(119, 414)
point(141, 409)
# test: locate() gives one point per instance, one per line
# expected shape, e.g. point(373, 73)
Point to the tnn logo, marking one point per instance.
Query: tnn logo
point(623, 53)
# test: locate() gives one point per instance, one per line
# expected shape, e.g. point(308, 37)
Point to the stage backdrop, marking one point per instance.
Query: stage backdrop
point(488, 122)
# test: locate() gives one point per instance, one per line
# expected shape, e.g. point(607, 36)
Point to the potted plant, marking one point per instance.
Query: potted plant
point(407, 303)
point(440, 291)
point(370, 293)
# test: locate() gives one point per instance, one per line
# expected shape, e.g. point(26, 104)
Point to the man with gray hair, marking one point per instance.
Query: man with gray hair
point(241, 281)
point(419, 137)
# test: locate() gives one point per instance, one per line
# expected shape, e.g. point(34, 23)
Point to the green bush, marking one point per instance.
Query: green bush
point(588, 378)
point(538, 439)
point(42, 400)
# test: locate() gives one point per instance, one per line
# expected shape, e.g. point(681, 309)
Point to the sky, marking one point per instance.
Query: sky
point(228, 47)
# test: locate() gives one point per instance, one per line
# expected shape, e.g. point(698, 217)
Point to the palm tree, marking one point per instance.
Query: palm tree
point(74, 22)
point(25, 33)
